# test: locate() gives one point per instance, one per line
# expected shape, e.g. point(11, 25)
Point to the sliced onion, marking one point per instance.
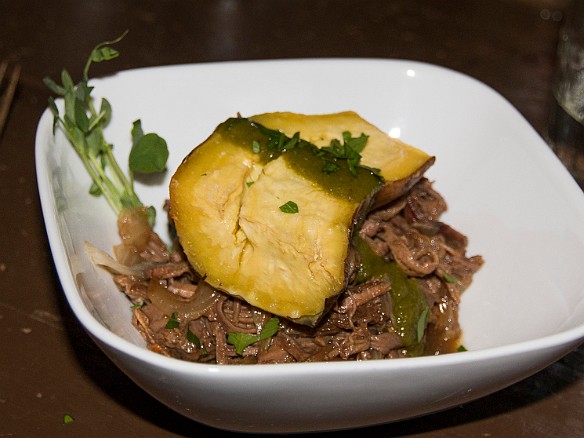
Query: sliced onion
point(134, 228)
point(127, 255)
point(205, 296)
point(100, 258)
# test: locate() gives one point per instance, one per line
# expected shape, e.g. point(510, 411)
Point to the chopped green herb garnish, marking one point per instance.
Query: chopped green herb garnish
point(83, 124)
point(330, 167)
point(191, 337)
point(277, 142)
point(242, 340)
point(461, 348)
point(249, 183)
point(289, 207)
point(450, 278)
point(68, 419)
point(349, 150)
point(137, 305)
point(340, 177)
point(422, 322)
point(172, 322)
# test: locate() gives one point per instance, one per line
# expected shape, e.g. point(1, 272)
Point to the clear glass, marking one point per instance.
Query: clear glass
point(566, 126)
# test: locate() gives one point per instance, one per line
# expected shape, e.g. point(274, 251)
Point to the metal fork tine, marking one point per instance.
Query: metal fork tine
point(8, 94)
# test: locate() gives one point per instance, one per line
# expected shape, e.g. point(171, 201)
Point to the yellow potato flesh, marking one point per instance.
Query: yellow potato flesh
point(225, 202)
point(235, 234)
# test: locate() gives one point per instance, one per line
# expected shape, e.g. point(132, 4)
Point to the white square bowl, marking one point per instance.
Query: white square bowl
point(505, 190)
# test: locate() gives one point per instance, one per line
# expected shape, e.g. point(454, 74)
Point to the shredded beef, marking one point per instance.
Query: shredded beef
point(358, 326)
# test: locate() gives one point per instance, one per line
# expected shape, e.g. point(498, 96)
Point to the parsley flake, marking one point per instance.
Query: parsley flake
point(450, 278)
point(172, 322)
point(137, 305)
point(243, 340)
point(289, 207)
point(421, 325)
point(191, 337)
point(349, 150)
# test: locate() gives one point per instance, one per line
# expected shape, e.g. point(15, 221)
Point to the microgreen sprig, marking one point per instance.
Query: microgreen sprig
point(83, 124)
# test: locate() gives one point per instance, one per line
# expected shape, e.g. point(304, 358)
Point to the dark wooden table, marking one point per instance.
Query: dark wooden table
point(48, 365)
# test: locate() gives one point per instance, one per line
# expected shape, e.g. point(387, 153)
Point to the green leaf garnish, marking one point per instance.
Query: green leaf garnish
point(137, 305)
point(243, 340)
point(450, 278)
point(349, 150)
point(68, 419)
point(172, 322)
point(461, 348)
point(191, 337)
point(422, 322)
point(289, 207)
point(83, 126)
point(148, 154)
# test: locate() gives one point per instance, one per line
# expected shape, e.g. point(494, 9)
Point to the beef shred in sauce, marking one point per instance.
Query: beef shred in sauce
point(408, 232)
